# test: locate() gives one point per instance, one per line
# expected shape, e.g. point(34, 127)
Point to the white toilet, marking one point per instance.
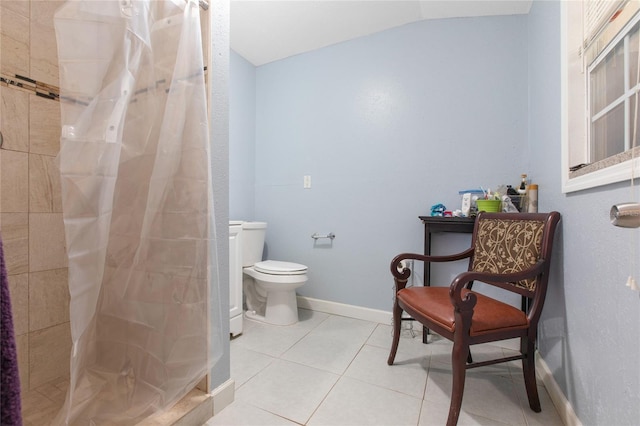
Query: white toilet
point(269, 286)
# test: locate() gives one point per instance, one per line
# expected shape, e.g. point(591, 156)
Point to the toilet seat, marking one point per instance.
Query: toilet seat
point(276, 267)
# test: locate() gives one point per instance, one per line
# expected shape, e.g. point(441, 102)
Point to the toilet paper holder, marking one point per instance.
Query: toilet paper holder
point(317, 236)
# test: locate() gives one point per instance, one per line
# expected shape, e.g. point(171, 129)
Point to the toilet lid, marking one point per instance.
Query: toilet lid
point(276, 267)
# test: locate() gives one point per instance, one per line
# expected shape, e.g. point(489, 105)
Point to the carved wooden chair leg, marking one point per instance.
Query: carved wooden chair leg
point(458, 359)
point(529, 370)
point(397, 324)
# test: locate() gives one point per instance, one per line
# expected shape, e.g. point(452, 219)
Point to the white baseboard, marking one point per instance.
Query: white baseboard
point(351, 311)
point(562, 404)
point(223, 395)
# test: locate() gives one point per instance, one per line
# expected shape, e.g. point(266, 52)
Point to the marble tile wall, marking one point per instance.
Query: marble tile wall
point(30, 203)
point(30, 206)
point(15, 40)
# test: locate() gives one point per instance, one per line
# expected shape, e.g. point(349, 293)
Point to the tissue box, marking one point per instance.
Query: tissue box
point(470, 208)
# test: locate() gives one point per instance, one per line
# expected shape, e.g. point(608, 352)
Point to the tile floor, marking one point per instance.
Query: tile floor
point(41, 405)
point(332, 370)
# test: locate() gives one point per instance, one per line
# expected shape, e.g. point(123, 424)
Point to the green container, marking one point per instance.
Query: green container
point(488, 205)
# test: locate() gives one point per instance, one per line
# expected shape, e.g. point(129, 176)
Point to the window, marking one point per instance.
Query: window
point(600, 45)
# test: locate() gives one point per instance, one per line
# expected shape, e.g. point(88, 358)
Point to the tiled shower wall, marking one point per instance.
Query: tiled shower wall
point(30, 206)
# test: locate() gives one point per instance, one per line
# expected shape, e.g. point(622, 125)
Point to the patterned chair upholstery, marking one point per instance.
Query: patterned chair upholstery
point(506, 245)
point(509, 251)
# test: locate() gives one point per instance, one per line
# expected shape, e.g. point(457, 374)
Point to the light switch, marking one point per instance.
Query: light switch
point(307, 182)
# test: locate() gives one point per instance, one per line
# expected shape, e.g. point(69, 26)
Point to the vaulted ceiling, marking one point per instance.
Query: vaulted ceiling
point(263, 31)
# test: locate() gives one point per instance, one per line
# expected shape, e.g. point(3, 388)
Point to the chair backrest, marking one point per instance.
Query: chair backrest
point(512, 242)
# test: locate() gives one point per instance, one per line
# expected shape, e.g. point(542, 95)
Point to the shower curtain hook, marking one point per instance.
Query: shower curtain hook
point(126, 8)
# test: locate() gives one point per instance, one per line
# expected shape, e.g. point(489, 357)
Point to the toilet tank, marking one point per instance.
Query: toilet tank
point(253, 234)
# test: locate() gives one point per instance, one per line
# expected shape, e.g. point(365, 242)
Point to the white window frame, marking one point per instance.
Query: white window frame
point(574, 131)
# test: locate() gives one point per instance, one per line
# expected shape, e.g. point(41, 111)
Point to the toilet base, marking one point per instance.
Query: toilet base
point(281, 309)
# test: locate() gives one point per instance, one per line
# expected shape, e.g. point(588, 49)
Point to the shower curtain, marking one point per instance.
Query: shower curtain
point(138, 207)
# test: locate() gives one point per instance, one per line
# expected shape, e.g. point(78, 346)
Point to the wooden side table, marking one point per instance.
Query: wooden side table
point(434, 224)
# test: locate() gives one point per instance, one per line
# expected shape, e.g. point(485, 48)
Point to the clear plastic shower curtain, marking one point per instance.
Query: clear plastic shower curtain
point(137, 201)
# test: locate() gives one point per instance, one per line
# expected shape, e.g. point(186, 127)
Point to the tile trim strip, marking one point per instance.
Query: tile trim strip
point(25, 83)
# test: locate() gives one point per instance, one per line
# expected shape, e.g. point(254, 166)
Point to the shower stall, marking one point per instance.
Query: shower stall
point(137, 201)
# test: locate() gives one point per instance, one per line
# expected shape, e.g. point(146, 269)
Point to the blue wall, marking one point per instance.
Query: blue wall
point(242, 133)
point(389, 124)
point(386, 126)
point(590, 327)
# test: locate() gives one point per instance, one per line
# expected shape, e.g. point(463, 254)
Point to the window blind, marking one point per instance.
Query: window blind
point(602, 21)
point(596, 16)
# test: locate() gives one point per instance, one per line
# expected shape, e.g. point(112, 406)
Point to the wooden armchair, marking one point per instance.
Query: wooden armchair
point(508, 250)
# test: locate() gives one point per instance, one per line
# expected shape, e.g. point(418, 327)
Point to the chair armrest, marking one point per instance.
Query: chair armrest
point(401, 275)
point(398, 272)
point(461, 280)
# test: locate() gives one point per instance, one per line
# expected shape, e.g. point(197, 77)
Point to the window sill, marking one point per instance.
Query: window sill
point(614, 169)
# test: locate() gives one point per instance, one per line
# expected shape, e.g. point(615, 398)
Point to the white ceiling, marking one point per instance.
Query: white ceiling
point(263, 31)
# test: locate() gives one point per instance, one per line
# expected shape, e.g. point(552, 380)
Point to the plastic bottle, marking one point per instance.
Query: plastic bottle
point(522, 189)
point(532, 198)
point(514, 197)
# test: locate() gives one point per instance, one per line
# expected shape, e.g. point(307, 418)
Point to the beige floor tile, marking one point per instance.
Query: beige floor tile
point(483, 393)
point(282, 391)
point(37, 409)
point(49, 352)
point(246, 363)
point(324, 353)
point(55, 390)
point(61, 383)
point(290, 390)
point(352, 403)
point(244, 414)
point(272, 341)
point(435, 414)
point(408, 375)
